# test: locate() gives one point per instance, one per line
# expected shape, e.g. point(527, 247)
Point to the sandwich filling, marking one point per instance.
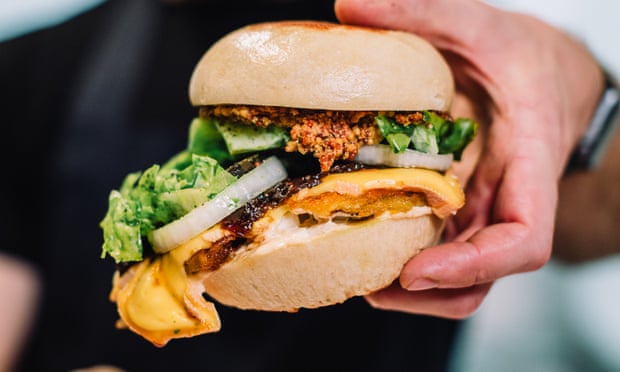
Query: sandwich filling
point(255, 176)
point(160, 298)
point(328, 135)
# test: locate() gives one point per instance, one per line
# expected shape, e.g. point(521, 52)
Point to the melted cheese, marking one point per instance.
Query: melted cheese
point(157, 300)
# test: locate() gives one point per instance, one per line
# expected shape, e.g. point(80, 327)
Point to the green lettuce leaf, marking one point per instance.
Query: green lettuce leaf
point(435, 135)
point(150, 199)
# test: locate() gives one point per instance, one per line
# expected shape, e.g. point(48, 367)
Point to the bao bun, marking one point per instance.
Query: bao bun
point(343, 224)
point(332, 67)
point(322, 66)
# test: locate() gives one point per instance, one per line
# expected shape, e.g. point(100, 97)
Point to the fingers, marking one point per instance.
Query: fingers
point(508, 229)
point(490, 45)
point(447, 303)
point(507, 221)
point(451, 280)
point(441, 21)
point(497, 251)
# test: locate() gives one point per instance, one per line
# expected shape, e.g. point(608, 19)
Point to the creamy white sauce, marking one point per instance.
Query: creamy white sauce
point(286, 230)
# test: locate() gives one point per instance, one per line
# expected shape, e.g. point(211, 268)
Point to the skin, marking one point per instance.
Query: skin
point(533, 89)
point(19, 290)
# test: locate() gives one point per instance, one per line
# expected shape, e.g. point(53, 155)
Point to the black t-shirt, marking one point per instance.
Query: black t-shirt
point(105, 94)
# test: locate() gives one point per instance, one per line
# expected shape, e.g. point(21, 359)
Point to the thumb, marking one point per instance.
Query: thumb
point(446, 23)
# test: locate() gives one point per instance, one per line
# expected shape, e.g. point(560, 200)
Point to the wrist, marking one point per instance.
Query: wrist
point(593, 143)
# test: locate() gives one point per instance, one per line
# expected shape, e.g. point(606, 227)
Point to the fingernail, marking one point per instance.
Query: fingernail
point(422, 284)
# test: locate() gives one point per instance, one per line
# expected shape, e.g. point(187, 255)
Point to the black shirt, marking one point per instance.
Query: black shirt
point(105, 94)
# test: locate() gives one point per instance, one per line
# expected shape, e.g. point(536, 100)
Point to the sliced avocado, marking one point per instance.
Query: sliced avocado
point(242, 138)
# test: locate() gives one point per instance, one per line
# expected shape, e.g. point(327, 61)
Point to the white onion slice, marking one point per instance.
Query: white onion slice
point(247, 187)
point(383, 155)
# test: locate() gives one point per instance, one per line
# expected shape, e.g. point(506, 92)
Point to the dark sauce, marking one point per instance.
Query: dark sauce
point(240, 222)
point(303, 173)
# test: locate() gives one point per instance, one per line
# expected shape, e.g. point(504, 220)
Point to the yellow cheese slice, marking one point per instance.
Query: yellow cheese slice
point(158, 301)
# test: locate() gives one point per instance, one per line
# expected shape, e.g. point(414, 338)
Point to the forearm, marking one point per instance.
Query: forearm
point(592, 193)
point(589, 185)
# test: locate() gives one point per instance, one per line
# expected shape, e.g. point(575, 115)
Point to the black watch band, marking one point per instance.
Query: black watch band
point(591, 147)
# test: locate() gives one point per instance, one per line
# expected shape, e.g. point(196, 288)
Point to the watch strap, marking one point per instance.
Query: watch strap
point(591, 147)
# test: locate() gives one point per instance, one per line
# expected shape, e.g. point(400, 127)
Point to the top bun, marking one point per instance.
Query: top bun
point(320, 65)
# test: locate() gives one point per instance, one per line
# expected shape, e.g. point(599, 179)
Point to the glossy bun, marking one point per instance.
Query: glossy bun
point(320, 65)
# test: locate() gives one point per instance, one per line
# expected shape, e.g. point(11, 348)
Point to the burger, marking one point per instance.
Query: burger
point(319, 163)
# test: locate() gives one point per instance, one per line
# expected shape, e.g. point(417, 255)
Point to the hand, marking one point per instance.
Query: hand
point(20, 286)
point(534, 90)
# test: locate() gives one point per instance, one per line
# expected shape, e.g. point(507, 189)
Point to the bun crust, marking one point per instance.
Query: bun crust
point(326, 269)
point(319, 65)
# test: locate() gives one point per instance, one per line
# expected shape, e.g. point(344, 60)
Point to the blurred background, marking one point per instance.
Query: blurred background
point(563, 317)
point(18, 17)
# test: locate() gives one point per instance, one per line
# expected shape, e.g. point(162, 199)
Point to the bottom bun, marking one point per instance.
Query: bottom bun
point(310, 269)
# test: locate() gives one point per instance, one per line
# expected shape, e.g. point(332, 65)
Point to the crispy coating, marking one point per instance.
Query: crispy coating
point(327, 135)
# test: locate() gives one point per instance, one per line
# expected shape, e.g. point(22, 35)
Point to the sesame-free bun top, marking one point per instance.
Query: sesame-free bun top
point(320, 65)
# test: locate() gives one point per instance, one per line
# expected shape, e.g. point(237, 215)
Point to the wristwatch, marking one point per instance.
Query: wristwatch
point(591, 147)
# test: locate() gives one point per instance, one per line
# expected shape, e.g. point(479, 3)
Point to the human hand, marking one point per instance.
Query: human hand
point(534, 89)
point(20, 287)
